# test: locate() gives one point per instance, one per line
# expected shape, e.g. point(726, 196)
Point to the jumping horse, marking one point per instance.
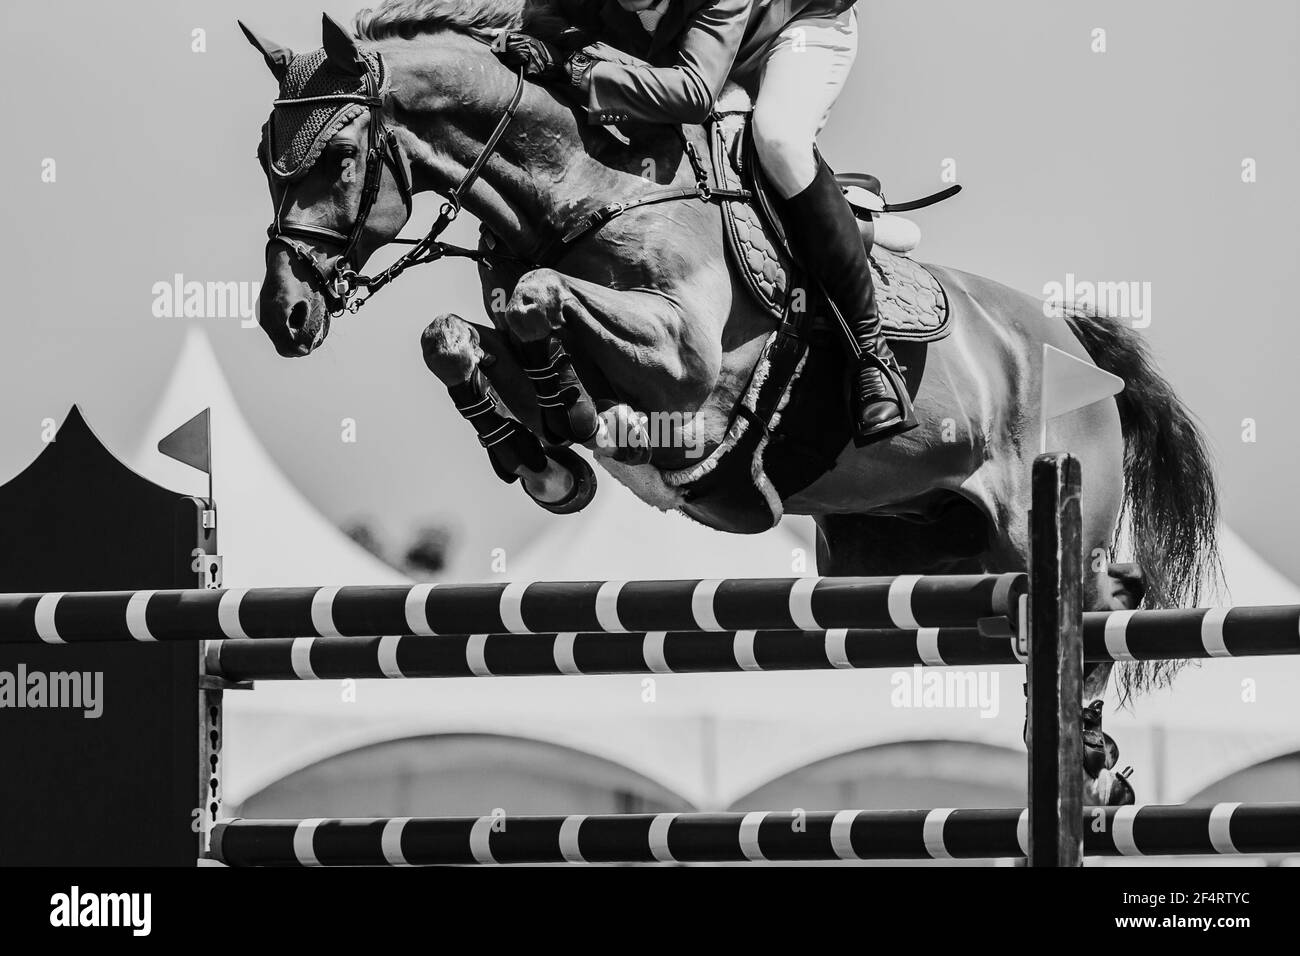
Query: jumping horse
point(613, 295)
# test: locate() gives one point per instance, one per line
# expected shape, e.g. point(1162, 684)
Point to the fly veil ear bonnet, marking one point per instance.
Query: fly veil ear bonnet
point(321, 92)
point(316, 101)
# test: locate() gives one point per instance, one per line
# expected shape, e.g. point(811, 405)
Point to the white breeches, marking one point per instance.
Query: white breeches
point(802, 74)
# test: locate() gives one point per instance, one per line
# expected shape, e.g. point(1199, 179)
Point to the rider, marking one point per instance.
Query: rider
point(795, 56)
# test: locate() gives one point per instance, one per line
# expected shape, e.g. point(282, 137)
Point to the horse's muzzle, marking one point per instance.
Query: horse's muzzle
point(296, 326)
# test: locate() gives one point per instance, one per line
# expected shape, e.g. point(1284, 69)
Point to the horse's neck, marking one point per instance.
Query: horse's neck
point(540, 177)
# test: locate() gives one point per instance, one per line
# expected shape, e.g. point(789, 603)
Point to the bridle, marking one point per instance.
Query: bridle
point(337, 278)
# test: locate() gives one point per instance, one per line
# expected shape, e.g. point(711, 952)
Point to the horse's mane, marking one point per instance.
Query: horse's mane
point(478, 18)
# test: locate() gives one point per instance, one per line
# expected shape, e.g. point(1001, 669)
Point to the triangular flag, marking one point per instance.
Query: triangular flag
point(1070, 383)
point(191, 443)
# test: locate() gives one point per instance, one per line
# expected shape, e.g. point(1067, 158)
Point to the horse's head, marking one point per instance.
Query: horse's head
point(340, 183)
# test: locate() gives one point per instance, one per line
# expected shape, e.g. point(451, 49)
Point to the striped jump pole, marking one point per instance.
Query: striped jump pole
point(655, 652)
point(199, 614)
point(810, 603)
point(1193, 633)
point(1107, 636)
point(941, 834)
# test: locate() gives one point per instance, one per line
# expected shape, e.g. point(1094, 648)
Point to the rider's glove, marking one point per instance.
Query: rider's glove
point(538, 59)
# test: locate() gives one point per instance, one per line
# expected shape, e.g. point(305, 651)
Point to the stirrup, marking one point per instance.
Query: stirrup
point(906, 420)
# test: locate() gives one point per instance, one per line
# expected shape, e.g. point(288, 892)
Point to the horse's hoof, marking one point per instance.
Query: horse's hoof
point(584, 483)
point(1108, 789)
point(1100, 752)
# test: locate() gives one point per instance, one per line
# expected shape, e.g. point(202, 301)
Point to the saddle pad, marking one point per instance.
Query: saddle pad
point(298, 132)
point(912, 302)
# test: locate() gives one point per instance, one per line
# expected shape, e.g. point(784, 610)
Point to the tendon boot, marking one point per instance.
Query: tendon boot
point(510, 445)
point(568, 413)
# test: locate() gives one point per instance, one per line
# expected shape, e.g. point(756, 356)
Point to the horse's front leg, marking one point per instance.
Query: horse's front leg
point(463, 358)
point(641, 344)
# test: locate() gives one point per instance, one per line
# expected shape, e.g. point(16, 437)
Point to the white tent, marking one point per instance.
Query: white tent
point(269, 533)
point(1250, 578)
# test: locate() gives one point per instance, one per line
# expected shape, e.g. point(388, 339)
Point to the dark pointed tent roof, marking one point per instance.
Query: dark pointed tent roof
point(73, 519)
point(119, 788)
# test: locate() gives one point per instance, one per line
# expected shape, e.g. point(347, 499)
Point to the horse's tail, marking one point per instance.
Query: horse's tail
point(1171, 501)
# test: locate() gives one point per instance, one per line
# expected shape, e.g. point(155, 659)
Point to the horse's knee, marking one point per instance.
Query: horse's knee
point(535, 309)
point(451, 349)
point(785, 153)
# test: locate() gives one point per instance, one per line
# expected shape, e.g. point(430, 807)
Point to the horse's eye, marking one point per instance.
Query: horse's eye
point(341, 151)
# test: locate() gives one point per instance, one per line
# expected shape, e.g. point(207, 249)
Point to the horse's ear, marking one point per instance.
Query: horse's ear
point(277, 57)
point(340, 48)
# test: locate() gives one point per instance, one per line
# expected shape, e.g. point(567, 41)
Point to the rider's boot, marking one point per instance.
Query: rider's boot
point(824, 234)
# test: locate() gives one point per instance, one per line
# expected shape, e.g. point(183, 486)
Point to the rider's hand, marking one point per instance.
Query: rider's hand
point(538, 59)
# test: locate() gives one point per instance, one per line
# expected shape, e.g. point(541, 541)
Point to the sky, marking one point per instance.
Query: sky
point(1116, 166)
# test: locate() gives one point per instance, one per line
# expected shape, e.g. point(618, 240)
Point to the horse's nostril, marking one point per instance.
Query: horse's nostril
point(297, 319)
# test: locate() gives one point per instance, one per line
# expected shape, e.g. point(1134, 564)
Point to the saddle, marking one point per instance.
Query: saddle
point(791, 422)
point(912, 302)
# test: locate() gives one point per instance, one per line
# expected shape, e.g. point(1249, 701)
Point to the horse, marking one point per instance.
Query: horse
point(640, 312)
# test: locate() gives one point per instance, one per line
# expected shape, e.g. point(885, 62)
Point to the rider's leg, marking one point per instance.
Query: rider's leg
point(803, 73)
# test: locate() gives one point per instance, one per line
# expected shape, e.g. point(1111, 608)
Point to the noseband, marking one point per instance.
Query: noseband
point(336, 278)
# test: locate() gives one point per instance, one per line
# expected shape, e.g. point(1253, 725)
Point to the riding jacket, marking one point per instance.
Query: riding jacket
point(697, 46)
